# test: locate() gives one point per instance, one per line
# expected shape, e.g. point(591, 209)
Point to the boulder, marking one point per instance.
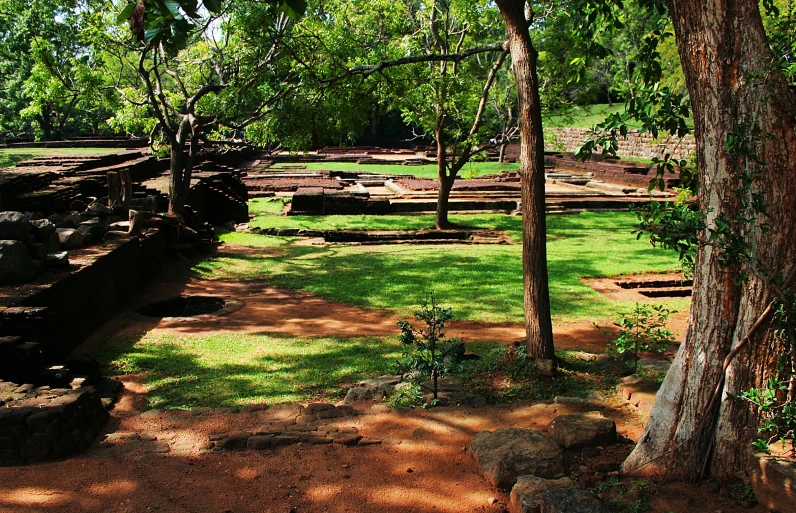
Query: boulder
point(774, 482)
point(16, 265)
point(14, 226)
point(70, 238)
point(570, 500)
point(94, 227)
point(42, 229)
point(580, 430)
point(525, 494)
point(56, 260)
point(508, 453)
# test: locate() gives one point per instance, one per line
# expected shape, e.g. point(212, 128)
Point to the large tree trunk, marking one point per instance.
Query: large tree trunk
point(722, 45)
point(538, 326)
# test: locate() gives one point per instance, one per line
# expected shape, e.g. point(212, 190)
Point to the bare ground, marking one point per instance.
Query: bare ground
point(423, 463)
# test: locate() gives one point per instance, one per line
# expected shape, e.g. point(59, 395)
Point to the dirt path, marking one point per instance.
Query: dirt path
point(422, 465)
point(270, 310)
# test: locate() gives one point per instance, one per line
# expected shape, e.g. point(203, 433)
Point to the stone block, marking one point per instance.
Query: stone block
point(570, 501)
point(774, 482)
point(581, 430)
point(14, 226)
point(525, 493)
point(70, 238)
point(506, 454)
point(16, 265)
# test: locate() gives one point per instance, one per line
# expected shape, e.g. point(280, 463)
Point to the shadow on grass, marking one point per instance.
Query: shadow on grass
point(232, 370)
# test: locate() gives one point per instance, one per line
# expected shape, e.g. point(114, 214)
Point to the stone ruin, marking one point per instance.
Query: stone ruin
point(78, 236)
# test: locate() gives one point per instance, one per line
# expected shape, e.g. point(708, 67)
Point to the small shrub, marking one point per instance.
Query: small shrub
point(408, 396)
point(641, 330)
point(425, 353)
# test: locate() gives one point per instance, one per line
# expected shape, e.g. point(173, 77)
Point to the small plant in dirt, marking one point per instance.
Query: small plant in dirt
point(642, 330)
point(425, 352)
point(409, 396)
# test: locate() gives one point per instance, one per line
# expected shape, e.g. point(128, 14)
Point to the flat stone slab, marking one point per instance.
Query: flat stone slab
point(525, 495)
point(506, 454)
point(774, 482)
point(581, 430)
point(570, 500)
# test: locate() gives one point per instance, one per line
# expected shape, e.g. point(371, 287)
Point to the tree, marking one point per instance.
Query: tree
point(538, 324)
point(447, 100)
point(192, 79)
point(51, 83)
point(745, 128)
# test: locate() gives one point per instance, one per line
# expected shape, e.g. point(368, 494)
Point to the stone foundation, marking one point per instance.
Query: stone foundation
point(38, 424)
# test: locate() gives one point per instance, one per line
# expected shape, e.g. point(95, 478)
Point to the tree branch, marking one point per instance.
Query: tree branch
point(369, 69)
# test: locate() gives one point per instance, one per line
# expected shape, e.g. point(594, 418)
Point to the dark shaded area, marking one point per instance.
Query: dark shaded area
point(183, 306)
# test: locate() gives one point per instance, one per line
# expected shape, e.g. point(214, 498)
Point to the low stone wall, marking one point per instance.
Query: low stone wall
point(635, 145)
point(60, 311)
point(41, 423)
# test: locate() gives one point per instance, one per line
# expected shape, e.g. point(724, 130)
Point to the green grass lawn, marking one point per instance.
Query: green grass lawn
point(10, 156)
point(480, 282)
point(472, 169)
point(233, 369)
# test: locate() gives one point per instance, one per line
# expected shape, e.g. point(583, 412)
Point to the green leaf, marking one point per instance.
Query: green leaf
point(125, 14)
point(173, 7)
point(295, 8)
point(214, 6)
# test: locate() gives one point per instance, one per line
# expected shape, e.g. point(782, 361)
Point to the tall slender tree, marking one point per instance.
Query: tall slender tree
point(517, 15)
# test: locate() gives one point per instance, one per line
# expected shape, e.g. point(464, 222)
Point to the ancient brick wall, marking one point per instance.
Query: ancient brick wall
point(635, 145)
point(44, 423)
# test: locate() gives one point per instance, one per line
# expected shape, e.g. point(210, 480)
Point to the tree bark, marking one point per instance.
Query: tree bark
point(732, 83)
point(538, 325)
point(177, 192)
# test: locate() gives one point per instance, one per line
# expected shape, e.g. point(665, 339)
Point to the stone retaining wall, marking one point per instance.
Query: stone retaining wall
point(42, 423)
point(59, 313)
point(635, 145)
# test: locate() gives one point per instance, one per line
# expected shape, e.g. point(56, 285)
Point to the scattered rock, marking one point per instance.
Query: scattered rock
point(70, 238)
point(42, 229)
point(507, 453)
point(581, 430)
point(525, 494)
point(14, 226)
point(16, 265)
point(774, 482)
point(56, 260)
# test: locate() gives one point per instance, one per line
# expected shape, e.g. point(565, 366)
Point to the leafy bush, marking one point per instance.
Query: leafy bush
point(424, 351)
point(642, 330)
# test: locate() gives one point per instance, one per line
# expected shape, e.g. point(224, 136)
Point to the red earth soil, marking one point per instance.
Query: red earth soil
point(423, 463)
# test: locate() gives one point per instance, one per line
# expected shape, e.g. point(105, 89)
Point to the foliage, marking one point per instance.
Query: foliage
point(643, 329)
point(51, 83)
point(775, 400)
point(409, 395)
point(424, 350)
point(506, 374)
point(673, 225)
